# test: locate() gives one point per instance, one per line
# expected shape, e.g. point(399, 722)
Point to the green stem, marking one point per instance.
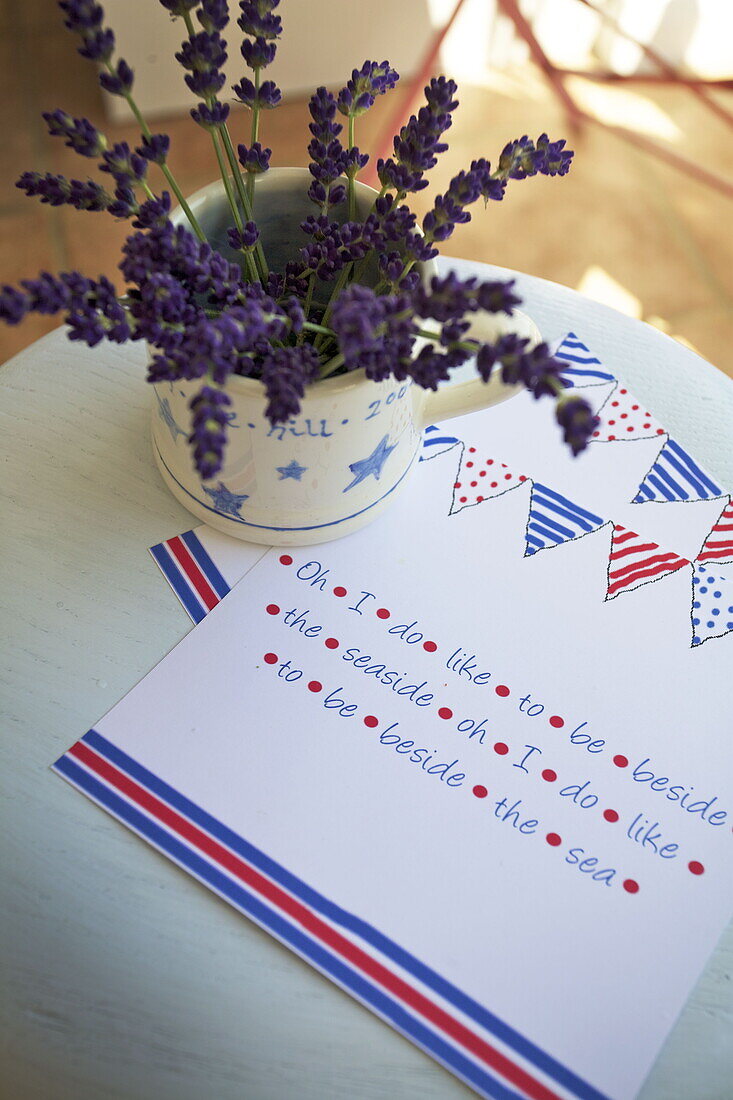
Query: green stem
point(331, 366)
point(311, 326)
point(248, 257)
point(255, 131)
point(243, 197)
point(145, 129)
point(307, 306)
point(352, 188)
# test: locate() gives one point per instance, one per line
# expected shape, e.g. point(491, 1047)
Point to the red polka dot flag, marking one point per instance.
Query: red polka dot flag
point(624, 417)
point(481, 477)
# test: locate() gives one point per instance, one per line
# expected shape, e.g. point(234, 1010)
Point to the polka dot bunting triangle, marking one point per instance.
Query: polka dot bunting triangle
point(481, 478)
point(712, 602)
point(623, 417)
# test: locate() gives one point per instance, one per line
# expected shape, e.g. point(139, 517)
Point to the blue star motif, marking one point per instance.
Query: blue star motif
point(165, 414)
point(225, 501)
point(291, 470)
point(372, 464)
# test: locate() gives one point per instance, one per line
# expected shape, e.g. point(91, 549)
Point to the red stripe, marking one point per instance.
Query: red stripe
point(180, 551)
point(624, 582)
point(725, 552)
point(643, 564)
point(638, 548)
point(625, 537)
point(313, 924)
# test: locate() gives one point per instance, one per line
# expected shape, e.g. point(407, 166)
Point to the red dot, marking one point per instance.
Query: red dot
point(272, 609)
point(271, 658)
point(610, 815)
point(624, 416)
point(285, 559)
point(522, 477)
point(474, 484)
point(596, 434)
point(480, 791)
point(479, 499)
point(634, 408)
point(469, 464)
point(482, 473)
point(457, 485)
point(382, 613)
point(331, 643)
point(489, 462)
point(549, 775)
point(472, 450)
point(371, 721)
point(501, 749)
point(557, 721)
point(315, 685)
point(494, 484)
point(339, 591)
point(429, 647)
point(623, 391)
point(696, 867)
point(621, 761)
point(445, 712)
point(630, 886)
point(660, 431)
point(463, 500)
point(503, 690)
point(611, 437)
point(508, 477)
point(554, 839)
point(615, 404)
point(630, 428)
point(646, 425)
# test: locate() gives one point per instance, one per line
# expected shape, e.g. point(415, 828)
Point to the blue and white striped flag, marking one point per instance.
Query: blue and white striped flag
point(583, 368)
point(436, 442)
point(675, 476)
point(553, 519)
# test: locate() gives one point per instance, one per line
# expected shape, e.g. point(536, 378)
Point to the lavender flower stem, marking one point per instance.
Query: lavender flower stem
point(352, 188)
point(331, 366)
point(243, 198)
point(145, 129)
point(224, 172)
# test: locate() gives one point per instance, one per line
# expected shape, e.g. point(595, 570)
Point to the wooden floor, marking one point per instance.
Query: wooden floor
point(621, 227)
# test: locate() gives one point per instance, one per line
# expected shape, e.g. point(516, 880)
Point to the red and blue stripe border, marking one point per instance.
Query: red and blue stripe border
point(472, 1042)
point(191, 573)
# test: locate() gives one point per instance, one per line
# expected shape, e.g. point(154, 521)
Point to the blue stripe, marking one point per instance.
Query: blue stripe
point(546, 534)
point(565, 513)
point(588, 373)
point(172, 573)
point(318, 955)
point(548, 521)
point(353, 924)
point(440, 439)
point(544, 491)
point(671, 444)
point(203, 560)
point(684, 471)
point(577, 358)
point(657, 483)
point(665, 475)
point(265, 527)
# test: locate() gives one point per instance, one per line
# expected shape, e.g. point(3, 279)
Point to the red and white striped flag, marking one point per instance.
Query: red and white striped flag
point(634, 561)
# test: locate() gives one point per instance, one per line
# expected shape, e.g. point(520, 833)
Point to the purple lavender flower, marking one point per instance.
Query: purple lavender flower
point(13, 305)
point(254, 159)
point(267, 97)
point(204, 55)
point(120, 81)
point(209, 429)
point(80, 134)
point(325, 150)
point(179, 7)
point(417, 146)
point(285, 374)
point(576, 418)
point(366, 83)
point(213, 15)
point(154, 148)
point(522, 158)
point(154, 211)
point(123, 165)
point(57, 190)
point(245, 240)
point(210, 117)
point(46, 294)
point(257, 18)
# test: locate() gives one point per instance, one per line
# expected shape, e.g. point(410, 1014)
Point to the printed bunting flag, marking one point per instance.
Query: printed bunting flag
point(583, 368)
point(624, 417)
point(634, 561)
point(480, 479)
point(712, 602)
point(436, 442)
point(676, 476)
point(718, 546)
point(553, 519)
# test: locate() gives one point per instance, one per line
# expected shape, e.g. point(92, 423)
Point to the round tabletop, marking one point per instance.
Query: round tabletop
point(121, 976)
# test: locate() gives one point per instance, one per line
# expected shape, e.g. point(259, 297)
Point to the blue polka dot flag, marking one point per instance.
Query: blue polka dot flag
point(583, 368)
point(554, 519)
point(712, 602)
point(676, 476)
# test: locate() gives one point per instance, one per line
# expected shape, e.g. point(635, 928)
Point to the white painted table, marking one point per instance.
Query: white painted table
point(120, 976)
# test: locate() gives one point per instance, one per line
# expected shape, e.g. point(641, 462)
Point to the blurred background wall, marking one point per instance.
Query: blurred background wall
point(624, 226)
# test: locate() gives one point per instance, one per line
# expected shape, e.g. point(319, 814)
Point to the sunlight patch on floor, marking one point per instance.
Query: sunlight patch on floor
point(624, 107)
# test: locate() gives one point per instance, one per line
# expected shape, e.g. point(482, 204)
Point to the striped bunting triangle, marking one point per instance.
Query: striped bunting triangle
point(583, 369)
point(712, 602)
point(480, 479)
point(436, 442)
point(634, 561)
point(553, 519)
point(718, 546)
point(676, 476)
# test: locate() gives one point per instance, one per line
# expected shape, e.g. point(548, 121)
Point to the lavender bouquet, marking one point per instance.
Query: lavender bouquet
point(208, 316)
